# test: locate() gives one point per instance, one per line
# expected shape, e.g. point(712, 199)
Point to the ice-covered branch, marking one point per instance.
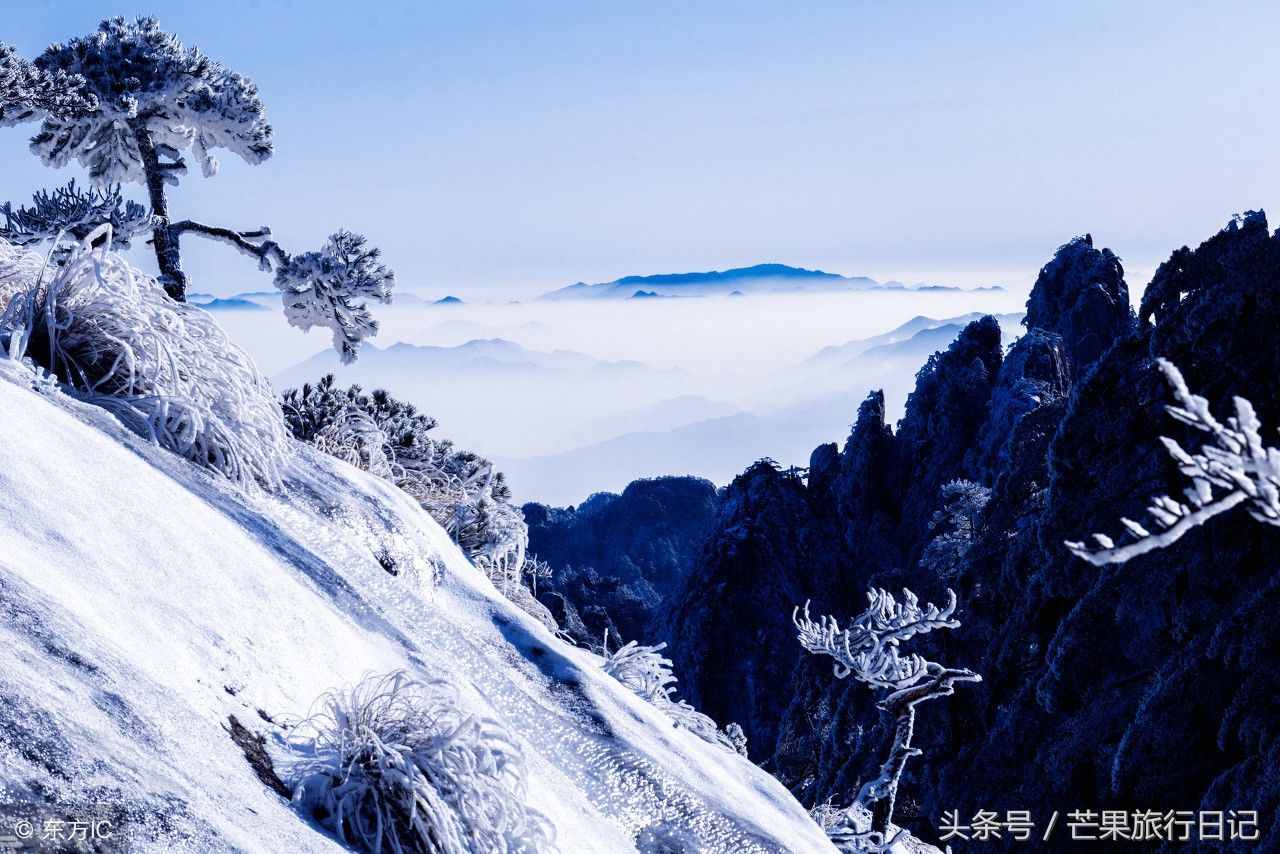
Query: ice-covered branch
point(322, 289)
point(869, 647)
point(28, 92)
point(254, 244)
point(1235, 468)
point(868, 651)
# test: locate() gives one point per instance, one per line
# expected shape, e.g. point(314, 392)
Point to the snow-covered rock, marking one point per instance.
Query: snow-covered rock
point(144, 602)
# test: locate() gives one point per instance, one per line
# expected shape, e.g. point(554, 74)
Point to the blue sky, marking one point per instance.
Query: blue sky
point(502, 148)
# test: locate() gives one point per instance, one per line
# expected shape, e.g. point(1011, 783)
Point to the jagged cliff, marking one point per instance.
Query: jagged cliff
point(1149, 685)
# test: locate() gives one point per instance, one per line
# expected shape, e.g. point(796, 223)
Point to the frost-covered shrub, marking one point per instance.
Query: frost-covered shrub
point(390, 438)
point(849, 829)
point(395, 764)
point(643, 669)
point(953, 528)
point(647, 673)
point(1234, 467)
point(166, 370)
point(74, 212)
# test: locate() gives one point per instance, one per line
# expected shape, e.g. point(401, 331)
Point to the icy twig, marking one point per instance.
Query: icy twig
point(1235, 468)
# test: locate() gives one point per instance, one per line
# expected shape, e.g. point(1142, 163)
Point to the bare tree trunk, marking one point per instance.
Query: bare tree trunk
point(879, 795)
point(164, 240)
point(891, 771)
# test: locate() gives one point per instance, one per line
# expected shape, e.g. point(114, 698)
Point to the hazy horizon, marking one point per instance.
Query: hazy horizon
point(574, 397)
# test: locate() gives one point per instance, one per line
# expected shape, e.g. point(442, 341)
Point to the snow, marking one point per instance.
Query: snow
point(147, 600)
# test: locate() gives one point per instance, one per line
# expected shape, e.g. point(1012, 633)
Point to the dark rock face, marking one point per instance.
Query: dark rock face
point(780, 541)
point(863, 499)
point(728, 628)
point(942, 419)
point(617, 559)
point(1081, 295)
point(1151, 685)
point(1034, 375)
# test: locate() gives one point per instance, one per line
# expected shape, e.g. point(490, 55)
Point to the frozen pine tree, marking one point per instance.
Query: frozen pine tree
point(868, 649)
point(391, 439)
point(954, 527)
point(1234, 467)
point(130, 103)
point(156, 100)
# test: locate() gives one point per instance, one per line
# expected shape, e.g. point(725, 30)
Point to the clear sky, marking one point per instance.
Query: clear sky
point(495, 149)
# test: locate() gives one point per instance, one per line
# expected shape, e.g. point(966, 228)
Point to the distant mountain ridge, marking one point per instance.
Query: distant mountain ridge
point(917, 338)
point(487, 357)
point(758, 278)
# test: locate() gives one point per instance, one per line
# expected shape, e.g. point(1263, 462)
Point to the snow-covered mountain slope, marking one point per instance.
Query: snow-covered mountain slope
point(143, 602)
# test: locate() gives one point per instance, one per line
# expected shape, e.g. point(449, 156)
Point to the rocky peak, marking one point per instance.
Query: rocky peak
point(1081, 295)
point(943, 417)
point(1034, 374)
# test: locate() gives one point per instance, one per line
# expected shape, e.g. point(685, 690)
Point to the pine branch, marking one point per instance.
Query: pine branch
point(254, 244)
point(74, 212)
point(1236, 468)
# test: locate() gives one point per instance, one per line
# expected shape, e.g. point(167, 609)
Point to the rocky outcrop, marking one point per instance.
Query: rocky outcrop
point(1142, 693)
point(730, 632)
point(1081, 296)
point(864, 497)
point(942, 420)
point(617, 559)
point(1149, 686)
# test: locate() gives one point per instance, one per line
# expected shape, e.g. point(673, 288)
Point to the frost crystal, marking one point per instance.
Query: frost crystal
point(1236, 468)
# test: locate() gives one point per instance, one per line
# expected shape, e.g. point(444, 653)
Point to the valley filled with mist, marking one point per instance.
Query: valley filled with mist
point(575, 396)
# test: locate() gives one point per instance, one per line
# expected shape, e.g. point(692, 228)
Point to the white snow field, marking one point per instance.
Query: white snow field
point(143, 601)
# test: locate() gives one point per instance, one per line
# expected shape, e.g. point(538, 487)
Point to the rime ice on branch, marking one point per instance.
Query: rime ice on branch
point(869, 651)
point(28, 92)
point(319, 287)
point(1236, 468)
